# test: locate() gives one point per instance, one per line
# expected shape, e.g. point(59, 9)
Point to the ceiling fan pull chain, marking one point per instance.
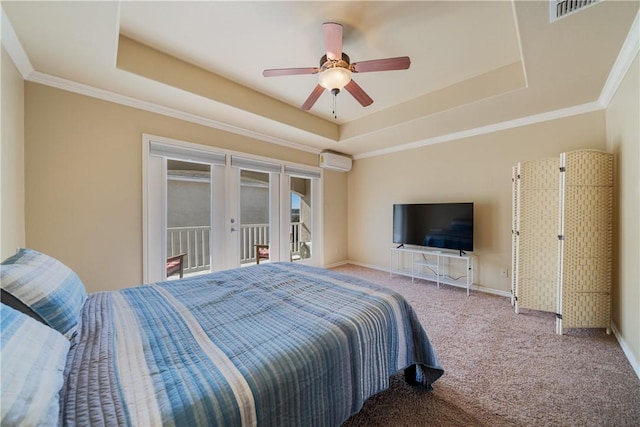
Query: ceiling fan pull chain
point(335, 114)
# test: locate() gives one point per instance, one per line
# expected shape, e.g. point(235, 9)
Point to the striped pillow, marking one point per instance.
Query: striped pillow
point(47, 286)
point(32, 370)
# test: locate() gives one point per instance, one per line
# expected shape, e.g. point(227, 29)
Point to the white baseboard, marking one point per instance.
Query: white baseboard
point(337, 264)
point(498, 292)
point(484, 289)
point(373, 267)
point(626, 350)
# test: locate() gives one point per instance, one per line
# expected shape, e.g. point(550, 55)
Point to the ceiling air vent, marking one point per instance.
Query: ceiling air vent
point(561, 8)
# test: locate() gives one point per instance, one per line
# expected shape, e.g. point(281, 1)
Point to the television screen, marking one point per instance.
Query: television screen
point(436, 225)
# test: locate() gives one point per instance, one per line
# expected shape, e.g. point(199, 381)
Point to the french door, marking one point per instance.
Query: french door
point(302, 218)
point(189, 204)
point(254, 210)
point(218, 208)
point(183, 208)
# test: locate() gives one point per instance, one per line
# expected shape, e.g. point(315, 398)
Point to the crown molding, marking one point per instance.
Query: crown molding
point(627, 55)
point(496, 127)
point(13, 46)
point(105, 95)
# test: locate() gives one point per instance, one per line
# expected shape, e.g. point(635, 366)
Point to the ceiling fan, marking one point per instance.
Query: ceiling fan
point(335, 69)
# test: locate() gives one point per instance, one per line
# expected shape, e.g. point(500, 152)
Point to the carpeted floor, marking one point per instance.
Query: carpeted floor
point(502, 368)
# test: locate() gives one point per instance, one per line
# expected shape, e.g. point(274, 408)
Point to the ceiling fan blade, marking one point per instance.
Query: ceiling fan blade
point(289, 71)
point(333, 39)
point(387, 64)
point(359, 94)
point(312, 98)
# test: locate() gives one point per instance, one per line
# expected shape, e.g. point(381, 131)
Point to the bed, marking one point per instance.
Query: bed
point(275, 344)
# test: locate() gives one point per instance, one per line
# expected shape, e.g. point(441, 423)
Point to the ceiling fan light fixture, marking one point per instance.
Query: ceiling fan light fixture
point(335, 68)
point(334, 78)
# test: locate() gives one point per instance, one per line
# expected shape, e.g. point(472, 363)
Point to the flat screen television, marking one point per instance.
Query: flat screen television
point(435, 225)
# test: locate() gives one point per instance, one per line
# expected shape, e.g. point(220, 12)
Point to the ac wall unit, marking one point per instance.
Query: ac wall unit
point(335, 161)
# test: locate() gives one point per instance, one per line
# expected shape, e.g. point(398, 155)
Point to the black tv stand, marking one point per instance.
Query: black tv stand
point(462, 252)
point(401, 245)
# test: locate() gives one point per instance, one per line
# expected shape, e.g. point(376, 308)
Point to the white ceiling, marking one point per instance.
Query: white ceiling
point(474, 64)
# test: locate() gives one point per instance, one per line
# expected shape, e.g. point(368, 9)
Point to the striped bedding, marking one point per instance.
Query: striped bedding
point(274, 344)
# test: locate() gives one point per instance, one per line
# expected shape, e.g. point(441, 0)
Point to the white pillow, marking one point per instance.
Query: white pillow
point(32, 358)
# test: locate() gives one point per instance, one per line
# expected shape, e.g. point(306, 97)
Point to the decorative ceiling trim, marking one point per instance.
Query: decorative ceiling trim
point(627, 55)
point(105, 95)
point(13, 46)
point(154, 65)
point(496, 127)
point(516, 21)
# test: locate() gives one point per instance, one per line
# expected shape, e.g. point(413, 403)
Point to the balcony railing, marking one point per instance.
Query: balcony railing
point(251, 235)
point(194, 241)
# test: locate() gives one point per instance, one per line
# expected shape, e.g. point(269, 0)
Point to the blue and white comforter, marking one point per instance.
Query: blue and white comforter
point(276, 344)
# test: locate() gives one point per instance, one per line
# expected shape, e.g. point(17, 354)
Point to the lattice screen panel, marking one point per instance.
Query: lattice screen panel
point(537, 235)
point(587, 245)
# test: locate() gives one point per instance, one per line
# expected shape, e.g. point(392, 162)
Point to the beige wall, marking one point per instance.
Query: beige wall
point(12, 226)
point(623, 139)
point(475, 169)
point(335, 217)
point(84, 180)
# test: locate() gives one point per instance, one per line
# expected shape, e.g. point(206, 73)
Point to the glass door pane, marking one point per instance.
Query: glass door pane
point(188, 218)
point(301, 218)
point(255, 217)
